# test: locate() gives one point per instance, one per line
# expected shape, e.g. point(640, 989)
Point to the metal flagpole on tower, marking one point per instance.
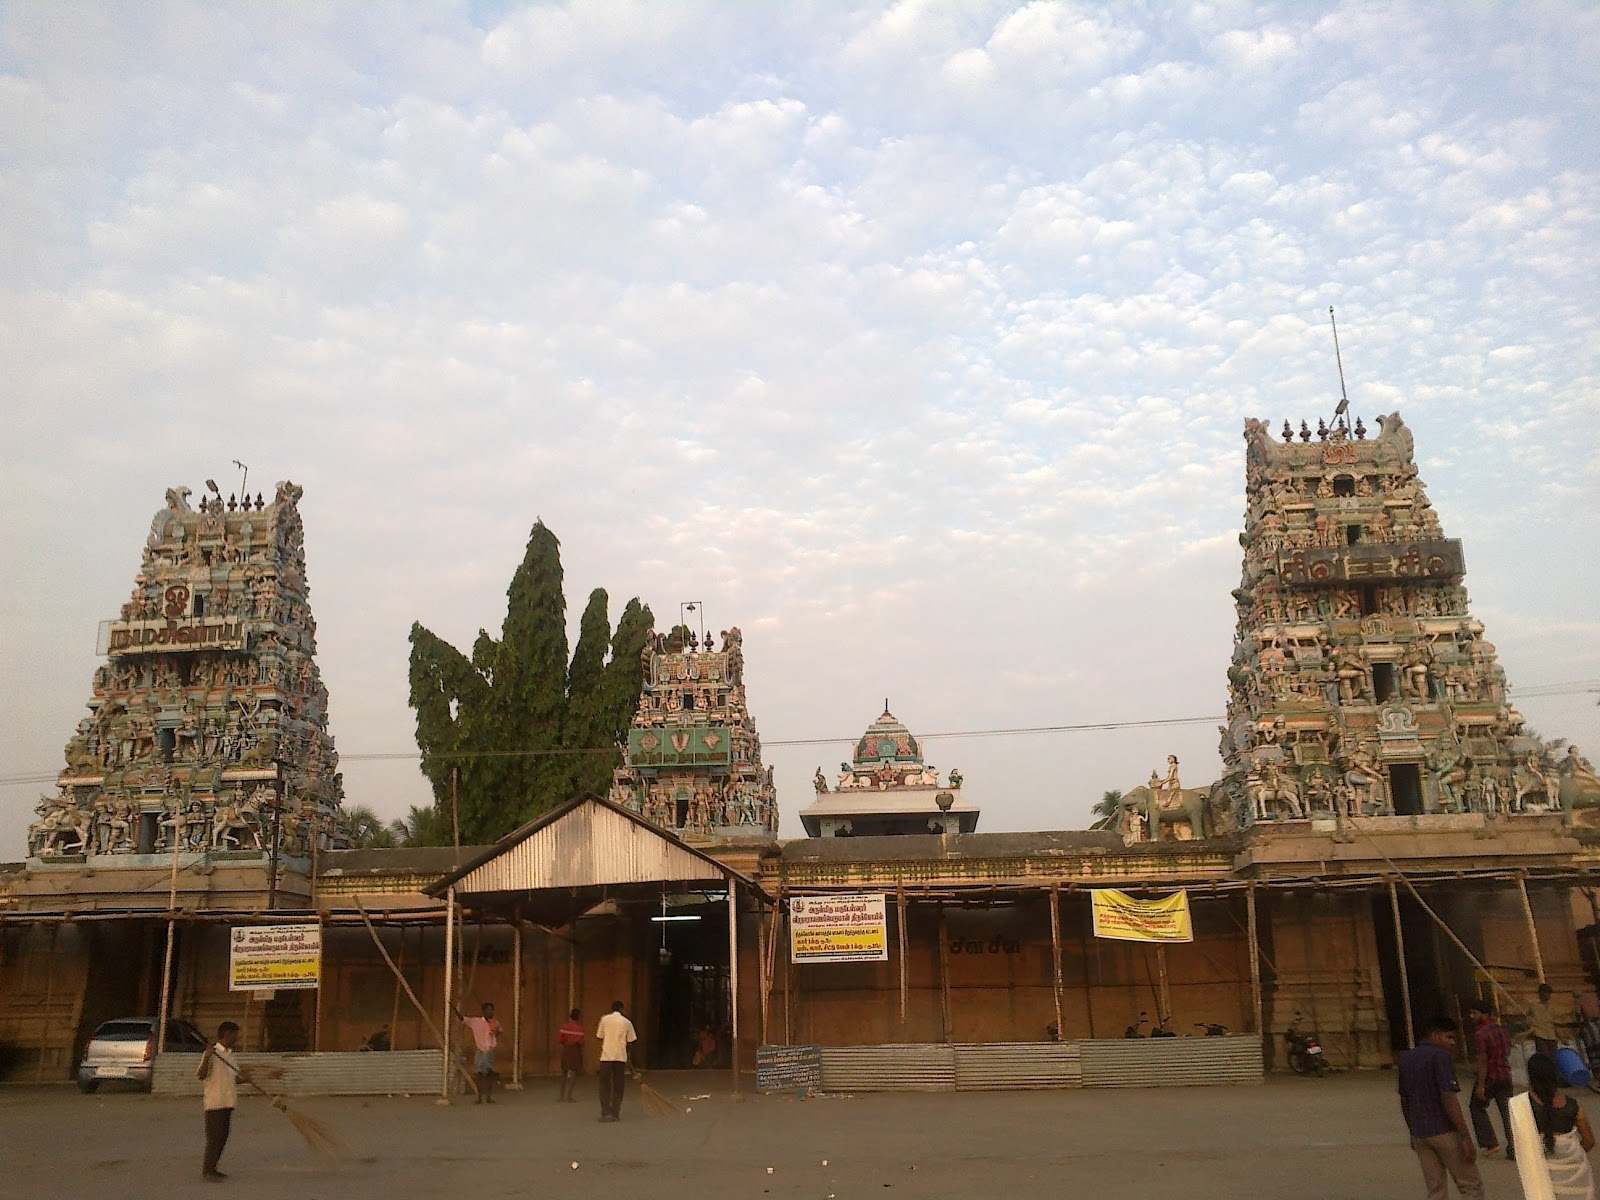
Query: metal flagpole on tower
point(1344, 400)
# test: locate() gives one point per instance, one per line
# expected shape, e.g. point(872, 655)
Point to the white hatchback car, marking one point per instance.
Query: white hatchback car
point(126, 1048)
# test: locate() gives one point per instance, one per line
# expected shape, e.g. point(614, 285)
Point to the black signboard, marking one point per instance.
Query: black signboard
point(788, 1068)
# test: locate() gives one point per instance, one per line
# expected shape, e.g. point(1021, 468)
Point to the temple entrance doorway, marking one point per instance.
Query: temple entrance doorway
point(690, 985)
point(1405, 786)
point(1428, 997)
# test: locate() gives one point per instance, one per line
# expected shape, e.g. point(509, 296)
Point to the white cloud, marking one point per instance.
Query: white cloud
point(905, 331)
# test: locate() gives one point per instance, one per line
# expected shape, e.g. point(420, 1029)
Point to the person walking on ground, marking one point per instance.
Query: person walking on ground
point(485, 1032)
point(616, 1036)
point(1564, 1130)
point(219, 1076)
point(1542, 1021)
point(1430, 1101)
point(570, 1036)
point(1491, 1068)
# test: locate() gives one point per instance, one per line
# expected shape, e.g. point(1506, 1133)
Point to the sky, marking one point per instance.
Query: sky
point(914, 339)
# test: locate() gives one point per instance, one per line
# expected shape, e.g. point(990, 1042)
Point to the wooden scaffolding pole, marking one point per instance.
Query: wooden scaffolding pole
point(788, 984)
point(944, 976)
point(761, 969)
point(163, 1006)
point(1252, 931)
point(516, 998)
point(1164, 996)
point(572, 969)
point(1533, 930)
point(394, 1008)
point(1055, 954)
point(316, 1000)
point(449, 963)
point(1400, 957)
point(733, 979)
point(905, 952)
point(49, 998)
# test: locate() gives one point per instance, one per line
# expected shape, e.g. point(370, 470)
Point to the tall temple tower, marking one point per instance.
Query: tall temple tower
point(1360, 683)
point(208, 726)
point(693, 761)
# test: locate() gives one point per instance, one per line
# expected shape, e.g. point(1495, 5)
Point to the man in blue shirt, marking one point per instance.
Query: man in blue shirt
point(1430, 1101)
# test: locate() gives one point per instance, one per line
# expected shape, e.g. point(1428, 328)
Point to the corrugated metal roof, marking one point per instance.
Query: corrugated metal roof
point(924, 847)
point(418, 860)
point(588, 842)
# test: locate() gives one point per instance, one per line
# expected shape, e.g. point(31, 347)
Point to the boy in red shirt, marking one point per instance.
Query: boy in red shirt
point(570, 1036)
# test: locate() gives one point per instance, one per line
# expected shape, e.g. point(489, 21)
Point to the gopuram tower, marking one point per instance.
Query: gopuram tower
point(1360, 684)
point(693, 761)
point(208, 725)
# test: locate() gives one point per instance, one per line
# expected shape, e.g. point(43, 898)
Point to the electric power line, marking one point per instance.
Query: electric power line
point(1578, 687)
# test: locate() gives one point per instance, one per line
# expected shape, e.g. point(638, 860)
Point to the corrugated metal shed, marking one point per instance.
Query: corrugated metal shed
point(1172, 1062)
point(331, 1074)
point(588, 843)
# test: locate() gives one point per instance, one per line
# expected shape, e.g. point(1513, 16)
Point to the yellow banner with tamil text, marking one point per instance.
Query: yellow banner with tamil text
point(1129, 919)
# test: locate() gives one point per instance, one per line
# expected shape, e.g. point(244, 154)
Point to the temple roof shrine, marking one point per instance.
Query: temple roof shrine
point(887, 788)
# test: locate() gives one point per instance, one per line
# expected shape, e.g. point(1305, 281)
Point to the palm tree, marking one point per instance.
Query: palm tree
point(425, 826)
point(1108, 803)
point(367, 830)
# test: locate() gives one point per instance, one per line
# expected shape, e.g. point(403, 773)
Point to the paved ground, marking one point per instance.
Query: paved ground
point(1296, 1139)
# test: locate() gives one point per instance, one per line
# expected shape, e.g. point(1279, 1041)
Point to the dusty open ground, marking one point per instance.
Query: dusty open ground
point(1292, 1138)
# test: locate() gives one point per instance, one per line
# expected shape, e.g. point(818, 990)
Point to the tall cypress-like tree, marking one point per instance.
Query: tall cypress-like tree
point(584, 729)
point(490, 721)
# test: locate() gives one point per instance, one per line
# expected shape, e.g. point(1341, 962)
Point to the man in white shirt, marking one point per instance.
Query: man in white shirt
point(219, 1076)
point(616, 1037)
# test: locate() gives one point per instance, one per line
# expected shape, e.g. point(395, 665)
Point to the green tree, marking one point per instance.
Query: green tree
point(428, 825)
point(500, 727)
point(1105, 809)
point(367, 830)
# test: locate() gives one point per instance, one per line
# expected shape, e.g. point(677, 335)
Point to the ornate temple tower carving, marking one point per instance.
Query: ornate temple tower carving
point(208, 725)
point(1360, 682)
point(693, 760)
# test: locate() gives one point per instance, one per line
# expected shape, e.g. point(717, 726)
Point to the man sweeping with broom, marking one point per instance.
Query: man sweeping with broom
point(220, 1075)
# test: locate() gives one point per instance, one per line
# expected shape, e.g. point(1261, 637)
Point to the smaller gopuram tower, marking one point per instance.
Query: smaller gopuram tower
point(208, 725)
point(693, 760)
point(888, 788)
point(1360, 684)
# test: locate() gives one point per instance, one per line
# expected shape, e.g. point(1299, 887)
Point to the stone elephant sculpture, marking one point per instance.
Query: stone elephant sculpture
point(1192, 808)
point(1578, 794)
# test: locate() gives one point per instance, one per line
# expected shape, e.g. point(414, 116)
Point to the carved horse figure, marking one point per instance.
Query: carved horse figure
point(1270, 789)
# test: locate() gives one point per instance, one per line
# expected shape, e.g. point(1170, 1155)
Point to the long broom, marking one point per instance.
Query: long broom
point(317, 1135)
point(655, 1104)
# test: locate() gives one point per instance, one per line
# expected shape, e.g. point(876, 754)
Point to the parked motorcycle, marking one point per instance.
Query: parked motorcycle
point(1211, 1029)
point(1305, 1050)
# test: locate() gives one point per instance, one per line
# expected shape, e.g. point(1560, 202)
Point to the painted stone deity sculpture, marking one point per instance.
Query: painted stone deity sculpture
point(208, 723)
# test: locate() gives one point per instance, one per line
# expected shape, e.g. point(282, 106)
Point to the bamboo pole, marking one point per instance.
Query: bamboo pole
point(572, 970)
point(394, 1008)
point(449, 962)
point(163, 1007)
point(733, 980)
point(316, 1001)
point(1055, 955)
point(1088, 995)
point(1400, 956)
point(1253, 935)
point(516, 999)
point(49, 998)
point(1164, 998)
point(761, 969)
point(1533, 930)
point(944, 975)
point(788, 985)
point(905, 952)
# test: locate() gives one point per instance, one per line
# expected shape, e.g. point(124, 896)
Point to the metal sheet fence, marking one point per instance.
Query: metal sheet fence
point(1172, 1062)
point(330, 1074)
point(1144, 1062)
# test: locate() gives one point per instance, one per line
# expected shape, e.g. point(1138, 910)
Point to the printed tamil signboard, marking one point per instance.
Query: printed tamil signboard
point(274, 956)
point(1125, 918)
point(831, 929)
